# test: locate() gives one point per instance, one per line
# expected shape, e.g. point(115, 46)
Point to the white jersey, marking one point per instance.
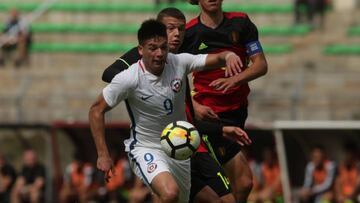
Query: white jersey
point(153, 101)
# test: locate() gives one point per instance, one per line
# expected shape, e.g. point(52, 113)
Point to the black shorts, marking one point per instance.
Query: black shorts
point(225, 149)
point(205, 171)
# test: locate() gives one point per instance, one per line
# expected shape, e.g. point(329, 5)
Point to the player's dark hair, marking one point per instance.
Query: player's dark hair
point(151, 29)
point(170, 12)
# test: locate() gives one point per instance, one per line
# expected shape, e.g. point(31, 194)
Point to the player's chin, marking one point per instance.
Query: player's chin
point(173, 47)
point(159, 65)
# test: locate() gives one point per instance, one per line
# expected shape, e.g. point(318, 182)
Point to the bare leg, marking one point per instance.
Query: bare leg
point(240, 176)
point(165, 187)
point(207, 195)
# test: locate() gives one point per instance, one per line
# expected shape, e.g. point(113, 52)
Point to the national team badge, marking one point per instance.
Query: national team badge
point(151, 167)
point(176, 85)
point(235, 37)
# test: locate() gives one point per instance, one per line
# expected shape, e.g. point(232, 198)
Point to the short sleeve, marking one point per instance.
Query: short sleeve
point(250, 31)
point(251, 38)
point(120, 86)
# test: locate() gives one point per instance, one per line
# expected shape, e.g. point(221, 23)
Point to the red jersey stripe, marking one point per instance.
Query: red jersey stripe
point(191, 23)
point(230, 15)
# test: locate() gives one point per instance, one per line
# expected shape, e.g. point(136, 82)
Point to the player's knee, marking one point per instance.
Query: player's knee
point(246, 183)
point(170, 195)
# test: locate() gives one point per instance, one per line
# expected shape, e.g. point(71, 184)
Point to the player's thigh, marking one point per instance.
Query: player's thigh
point(180, 169)
point(164, 183)
point(148, 163)
point(238, 170)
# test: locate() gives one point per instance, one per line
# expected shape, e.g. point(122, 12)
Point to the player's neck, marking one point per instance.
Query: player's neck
point(211, 20)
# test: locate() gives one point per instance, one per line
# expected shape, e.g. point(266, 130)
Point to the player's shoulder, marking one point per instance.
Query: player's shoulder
point(192, 24)
point(236, 15)
point(130, 74)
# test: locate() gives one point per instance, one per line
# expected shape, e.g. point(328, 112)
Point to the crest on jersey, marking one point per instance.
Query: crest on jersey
point(235, 37)
point(151, 167)
point(176, 85)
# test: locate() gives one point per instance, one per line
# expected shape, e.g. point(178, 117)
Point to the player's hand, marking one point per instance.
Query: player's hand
point(233, 64)
point(203, 112)
point(224, 84)
point(236, 134)
point(105, 164)
point(304, 193)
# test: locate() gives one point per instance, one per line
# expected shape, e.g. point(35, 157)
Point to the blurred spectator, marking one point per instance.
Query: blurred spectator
point(317, 12)
point(302, 7)
point(7, 179)
point(113, 190)
point(269, 189)
point(30, 185)
point(16, 37)
point(348, 180)
point(256, 171)
point(79, 181)
point(319, 178)
point(314, 11)
point(140, 193)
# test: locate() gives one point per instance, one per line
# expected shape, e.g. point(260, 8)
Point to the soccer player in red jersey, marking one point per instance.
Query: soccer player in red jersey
point(225, 100)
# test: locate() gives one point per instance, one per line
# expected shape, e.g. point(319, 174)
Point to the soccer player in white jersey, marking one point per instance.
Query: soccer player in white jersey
point(153, 89)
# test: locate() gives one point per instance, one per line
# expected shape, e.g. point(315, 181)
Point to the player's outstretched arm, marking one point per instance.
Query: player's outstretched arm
point(230, 60)
point(97, 126)
point(258, 68)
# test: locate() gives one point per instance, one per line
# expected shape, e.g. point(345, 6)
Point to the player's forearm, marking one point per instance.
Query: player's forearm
point(194, 102)
point(258, 68)
point(97, 126)
point(217, 60)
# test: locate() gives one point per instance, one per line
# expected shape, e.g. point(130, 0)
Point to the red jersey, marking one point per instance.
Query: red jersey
point(235, 34)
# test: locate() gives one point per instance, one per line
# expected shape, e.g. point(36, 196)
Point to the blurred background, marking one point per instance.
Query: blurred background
point(50, 73)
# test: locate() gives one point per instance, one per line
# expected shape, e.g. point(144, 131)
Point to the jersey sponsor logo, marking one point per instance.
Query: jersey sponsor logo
point(202, 46)
point(151, 167)
point(144, 98)
point(235, 37)
point(176, 85)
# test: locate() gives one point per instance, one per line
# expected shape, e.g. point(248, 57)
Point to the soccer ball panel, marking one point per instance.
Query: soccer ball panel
point(178, 136)
point(183, 153)
point(180, 140)
point(166, 146)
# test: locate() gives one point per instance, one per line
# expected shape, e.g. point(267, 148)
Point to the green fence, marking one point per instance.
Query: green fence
point(142, 7)
point(100, 48)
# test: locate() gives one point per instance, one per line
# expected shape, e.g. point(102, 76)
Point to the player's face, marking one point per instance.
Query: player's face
point(175, 29)
point(210, 5)
point(154, 52)
point(317, 157)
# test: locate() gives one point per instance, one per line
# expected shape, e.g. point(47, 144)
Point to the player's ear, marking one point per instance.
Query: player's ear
point(140, 50)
